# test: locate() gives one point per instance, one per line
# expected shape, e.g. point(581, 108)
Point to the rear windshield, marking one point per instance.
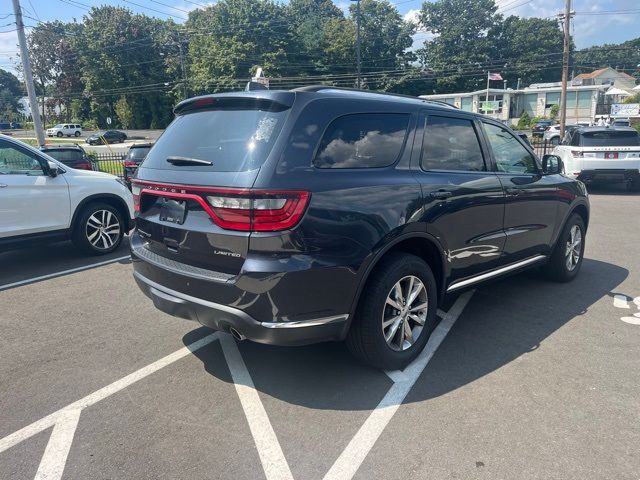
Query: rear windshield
point(65, 155)
point(234, 140)
point(610, 139)
point(138, 153)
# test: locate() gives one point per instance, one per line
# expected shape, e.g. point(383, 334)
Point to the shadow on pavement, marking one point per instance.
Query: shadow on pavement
point(47, 259)
point(504, 320)
point(611, 189)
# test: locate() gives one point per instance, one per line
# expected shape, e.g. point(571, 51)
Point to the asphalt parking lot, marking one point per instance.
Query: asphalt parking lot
point(522, 379)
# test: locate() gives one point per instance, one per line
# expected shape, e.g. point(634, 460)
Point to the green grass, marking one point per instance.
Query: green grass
point(50, 141)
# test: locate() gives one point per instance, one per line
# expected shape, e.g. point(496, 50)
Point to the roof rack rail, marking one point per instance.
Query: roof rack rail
point(319, 88)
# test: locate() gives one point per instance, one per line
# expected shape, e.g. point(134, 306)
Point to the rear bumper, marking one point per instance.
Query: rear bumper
point(225, 318)
point(609, 175)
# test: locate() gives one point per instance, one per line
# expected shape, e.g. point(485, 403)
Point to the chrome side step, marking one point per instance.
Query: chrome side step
point(495, 273)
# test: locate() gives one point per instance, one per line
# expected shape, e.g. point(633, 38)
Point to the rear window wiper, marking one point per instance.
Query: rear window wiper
point(185, 161)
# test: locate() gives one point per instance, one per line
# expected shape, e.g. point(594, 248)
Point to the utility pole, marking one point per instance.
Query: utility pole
point(28, 74)
point(184, 75)
point(358, 54)
point(566, 21)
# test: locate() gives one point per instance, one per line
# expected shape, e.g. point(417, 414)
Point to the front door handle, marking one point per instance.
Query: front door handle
point(514, 192)
point(441, 194)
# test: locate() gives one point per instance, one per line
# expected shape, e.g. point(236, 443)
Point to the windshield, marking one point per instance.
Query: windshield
point(137, 153)
point(65, 155)
point(234, 140)
point(610, 139)
point(58, 126)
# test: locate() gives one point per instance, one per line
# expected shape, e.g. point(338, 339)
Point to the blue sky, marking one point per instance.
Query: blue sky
point(592, 25)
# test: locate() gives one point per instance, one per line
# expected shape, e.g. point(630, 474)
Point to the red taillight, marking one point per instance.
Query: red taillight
point(83, 166)
point(235, 209)
point(128, 163)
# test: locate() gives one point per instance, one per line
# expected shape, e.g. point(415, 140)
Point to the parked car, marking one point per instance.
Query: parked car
point(621, 122)
point(538, 129)
point(552, 134)
point(44, 200)
point(108, 136)
point(16, 126)
point(292, 217)
point(5, 126)
point(71, 155)
point(134, 157)
point(65, 130)
point(602, 155)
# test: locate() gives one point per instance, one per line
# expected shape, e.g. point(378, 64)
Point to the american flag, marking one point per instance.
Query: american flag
point(495, 76)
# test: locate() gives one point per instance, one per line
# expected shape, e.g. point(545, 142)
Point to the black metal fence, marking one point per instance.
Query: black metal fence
point(109, 162)
point(542, 147)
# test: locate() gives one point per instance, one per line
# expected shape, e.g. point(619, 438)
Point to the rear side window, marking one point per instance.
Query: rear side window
point(234, 140)
point(451, 144)
point(610, 138)
point(363, 140)
point(65, 155)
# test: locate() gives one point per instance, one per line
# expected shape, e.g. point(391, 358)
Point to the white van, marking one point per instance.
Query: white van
point(65, 129)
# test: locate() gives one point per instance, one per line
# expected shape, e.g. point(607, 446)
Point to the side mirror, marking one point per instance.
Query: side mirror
point(552, 165)
point(54, 169)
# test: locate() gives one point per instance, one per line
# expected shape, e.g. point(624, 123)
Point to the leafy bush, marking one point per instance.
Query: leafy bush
point(555, 110)
point(524, 121)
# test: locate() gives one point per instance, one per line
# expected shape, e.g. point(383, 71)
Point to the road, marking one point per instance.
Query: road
point(532, 380)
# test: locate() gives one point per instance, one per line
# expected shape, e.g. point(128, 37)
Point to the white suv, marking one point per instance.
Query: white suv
point(42, 199)
point(65, 129)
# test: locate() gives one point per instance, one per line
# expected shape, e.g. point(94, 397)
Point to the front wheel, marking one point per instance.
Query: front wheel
point(566, 259)
point(396, 313)
point(99, 229)
point(59, 134)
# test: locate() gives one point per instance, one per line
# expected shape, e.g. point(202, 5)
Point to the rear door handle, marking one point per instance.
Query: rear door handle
point(514, 192)
point(441, 194)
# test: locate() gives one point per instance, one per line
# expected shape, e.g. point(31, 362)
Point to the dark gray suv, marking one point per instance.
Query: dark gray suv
point(292, 217)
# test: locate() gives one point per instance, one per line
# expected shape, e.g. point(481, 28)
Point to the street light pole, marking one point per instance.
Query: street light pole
point(358, 52)
point(28, 74)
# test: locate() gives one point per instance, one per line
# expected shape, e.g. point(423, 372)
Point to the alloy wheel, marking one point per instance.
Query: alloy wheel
point(573, 248)
point(102, 229)
point(404, 313)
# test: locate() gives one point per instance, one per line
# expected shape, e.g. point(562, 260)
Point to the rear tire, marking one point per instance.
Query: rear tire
point(566, 260)
point(77, 134)
point(372, 338)
point(99, 229)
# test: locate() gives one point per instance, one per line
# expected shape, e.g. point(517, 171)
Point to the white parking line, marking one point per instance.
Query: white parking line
point(349, 461)
point(274, 463)
point(57, 449)
point(55, 455)
point(63, 272)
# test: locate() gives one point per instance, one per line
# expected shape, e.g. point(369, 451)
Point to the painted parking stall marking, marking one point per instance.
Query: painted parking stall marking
point(274, 463)
point(624, 302)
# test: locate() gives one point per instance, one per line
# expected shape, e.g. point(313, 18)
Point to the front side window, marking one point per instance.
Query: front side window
point(509, 154)
point(364, 140)
point(451, 144)
point(16, 162)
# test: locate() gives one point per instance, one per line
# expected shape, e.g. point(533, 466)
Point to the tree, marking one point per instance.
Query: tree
point(624, 56)
point(124, 113)
point(527, 48)
point(459, 54)
point(230, 39)
point(10, 93)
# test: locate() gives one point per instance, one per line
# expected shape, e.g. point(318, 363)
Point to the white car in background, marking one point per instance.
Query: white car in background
point(65, 130)
point(42, 199)
point(602, 155)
